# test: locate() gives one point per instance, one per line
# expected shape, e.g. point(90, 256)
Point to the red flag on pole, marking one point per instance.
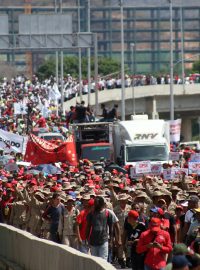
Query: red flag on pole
point(40, 151)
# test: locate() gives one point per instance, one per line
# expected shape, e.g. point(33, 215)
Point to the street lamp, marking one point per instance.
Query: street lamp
point(132, 70)
point(171, 63)
point(122, 60)
point(56, 52)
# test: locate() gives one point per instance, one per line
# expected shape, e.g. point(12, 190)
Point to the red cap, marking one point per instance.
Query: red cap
point(155, 224)
point(97, 179)
point(121, 186)
point(90, 182)
point(114, 171)
point(133, 214)
point(194, 182)
point(91, 202)
point(160, 211)
point(55, 188)
point(33, 182)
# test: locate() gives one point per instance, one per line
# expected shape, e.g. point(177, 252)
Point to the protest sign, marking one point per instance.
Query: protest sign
point(195, 157)
point(143, 167)
point(167, 174)
point(194, 167)
point(178, 171)
point(156, 169)
point(175, 130)
point(11, 167)
point(20, 108)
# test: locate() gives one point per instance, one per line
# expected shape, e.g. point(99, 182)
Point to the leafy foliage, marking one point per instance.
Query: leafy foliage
point(196, 67)
point(71, 66)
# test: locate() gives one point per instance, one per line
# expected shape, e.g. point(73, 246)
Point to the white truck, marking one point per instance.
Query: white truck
point(141, 140)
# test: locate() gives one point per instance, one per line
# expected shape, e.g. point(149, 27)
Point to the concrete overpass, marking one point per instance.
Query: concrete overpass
point(153, 99)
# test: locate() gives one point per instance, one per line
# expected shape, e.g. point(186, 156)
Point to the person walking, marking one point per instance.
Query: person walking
point(53, 213)
point(155, 244)
point(67, 224)
point(99, 231)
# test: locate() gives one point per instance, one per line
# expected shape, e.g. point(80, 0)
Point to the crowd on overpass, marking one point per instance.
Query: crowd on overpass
point(147, 222)
point(72, 86)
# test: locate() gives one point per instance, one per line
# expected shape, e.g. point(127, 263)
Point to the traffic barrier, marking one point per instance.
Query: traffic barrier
point(27, 252)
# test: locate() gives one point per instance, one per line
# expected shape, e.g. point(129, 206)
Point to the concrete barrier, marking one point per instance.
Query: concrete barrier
point(28, 252)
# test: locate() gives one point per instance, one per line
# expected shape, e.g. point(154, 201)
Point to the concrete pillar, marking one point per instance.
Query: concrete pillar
point(186, 128)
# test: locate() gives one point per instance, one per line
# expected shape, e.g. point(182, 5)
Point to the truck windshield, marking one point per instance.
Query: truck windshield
point(52, 137)
point(146, 152)
point(94, 153)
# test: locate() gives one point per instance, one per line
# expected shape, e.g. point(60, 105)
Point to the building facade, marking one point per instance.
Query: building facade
point(146, 26)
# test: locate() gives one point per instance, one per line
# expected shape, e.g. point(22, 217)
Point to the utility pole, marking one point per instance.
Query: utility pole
point(132, 69)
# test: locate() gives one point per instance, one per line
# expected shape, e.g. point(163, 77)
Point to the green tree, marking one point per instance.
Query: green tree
point(46, 69)
point(196, 67)
point(105, 67)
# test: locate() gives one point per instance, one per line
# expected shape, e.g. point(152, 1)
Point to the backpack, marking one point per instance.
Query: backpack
point(99, 228)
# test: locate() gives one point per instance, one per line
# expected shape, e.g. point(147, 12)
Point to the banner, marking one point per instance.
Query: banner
point(175, 130)
point(40, 151)
point(12, 142)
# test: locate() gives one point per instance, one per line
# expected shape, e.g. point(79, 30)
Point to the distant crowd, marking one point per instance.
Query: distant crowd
point(72, 87)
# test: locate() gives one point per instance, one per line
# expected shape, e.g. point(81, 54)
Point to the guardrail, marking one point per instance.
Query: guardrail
point(21, 250)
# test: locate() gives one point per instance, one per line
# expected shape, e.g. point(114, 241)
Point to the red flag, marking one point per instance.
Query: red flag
point(40, 151)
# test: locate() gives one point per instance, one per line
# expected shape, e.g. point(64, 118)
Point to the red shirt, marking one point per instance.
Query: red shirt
point(155, 257)
point(82, 221)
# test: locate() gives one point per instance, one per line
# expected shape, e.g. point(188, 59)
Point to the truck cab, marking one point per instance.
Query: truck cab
point(141, 140)
point(93, 140)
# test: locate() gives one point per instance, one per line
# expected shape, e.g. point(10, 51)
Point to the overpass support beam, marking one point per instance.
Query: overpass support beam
point(186, 128)
point(151, 108)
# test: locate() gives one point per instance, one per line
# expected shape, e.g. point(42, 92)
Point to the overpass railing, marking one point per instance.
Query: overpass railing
point(21, 250)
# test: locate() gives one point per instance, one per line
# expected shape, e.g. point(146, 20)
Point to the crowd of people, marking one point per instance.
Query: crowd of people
point(141, 223)
point(147, 222)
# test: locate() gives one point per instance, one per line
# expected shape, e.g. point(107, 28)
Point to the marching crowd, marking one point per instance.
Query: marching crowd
point(147, 222)
point(143, 223)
